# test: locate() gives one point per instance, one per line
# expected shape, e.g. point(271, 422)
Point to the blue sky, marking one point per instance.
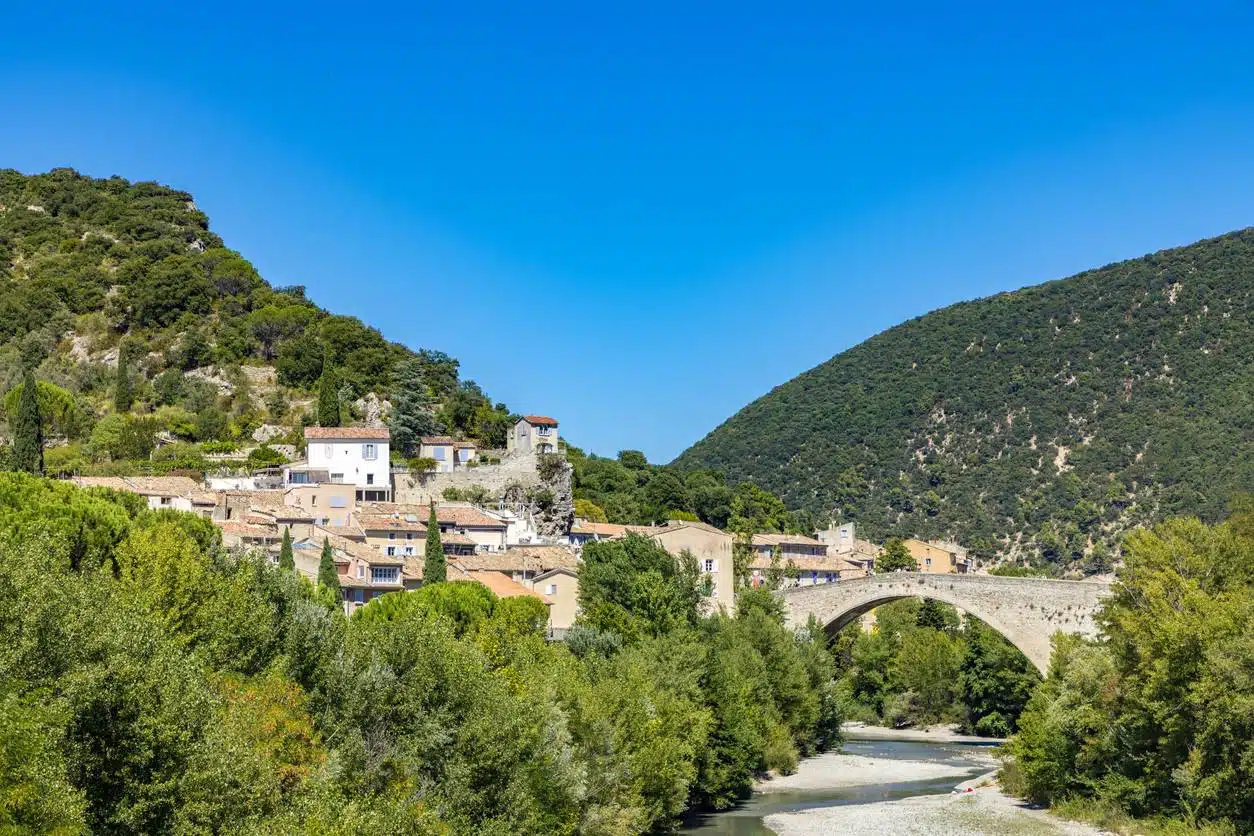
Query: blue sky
point(639, 217)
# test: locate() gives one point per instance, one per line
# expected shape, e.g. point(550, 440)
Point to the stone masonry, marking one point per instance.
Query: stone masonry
point(1027, 611)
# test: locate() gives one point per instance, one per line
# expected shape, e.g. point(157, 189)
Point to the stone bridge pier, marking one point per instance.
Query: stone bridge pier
point(1027, 611)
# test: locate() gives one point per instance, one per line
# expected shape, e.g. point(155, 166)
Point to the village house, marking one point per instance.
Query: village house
point(448, 455)
point(561, 587)
point(938, 557)
point(463, 525)
point(364, 572)
point(174, 492)
point(246, 536)
point(325, 502)
point(712, 549)
point(533, 434)
point(357, 456)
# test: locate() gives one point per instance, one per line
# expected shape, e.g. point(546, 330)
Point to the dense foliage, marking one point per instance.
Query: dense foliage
point(121, 296)
point(630, 490)
point(152, 683)
point(1061, 414)
point(1158, 717)
point(921, 664)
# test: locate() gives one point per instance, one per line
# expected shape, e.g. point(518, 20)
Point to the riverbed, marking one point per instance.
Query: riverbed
point(886, 786)
point(863, 772)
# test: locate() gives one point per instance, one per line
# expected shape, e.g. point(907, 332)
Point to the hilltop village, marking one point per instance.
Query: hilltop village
point(374, 515)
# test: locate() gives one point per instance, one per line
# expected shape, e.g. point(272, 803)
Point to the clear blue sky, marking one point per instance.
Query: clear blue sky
point(638, 217)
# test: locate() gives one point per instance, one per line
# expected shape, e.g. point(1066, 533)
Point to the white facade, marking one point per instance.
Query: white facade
point(358, 456)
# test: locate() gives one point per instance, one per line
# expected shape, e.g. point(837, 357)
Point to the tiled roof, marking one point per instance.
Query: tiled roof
point(389, 522)
point(453, 538)
point(349, 433)
point(205, 498)
point(676, 525)
point(352, 548)
point(527, 559)
point(464, 516)
point(267, 499)
point(540, 420)
point(245, 529)
point(505, 587)
point(785, 539)
point(465, 445)
point(144, 485)
point(609, 529)
point(437, 439)
point(804, 563)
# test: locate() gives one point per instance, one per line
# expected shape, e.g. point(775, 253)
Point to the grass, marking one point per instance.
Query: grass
point(1111, 817)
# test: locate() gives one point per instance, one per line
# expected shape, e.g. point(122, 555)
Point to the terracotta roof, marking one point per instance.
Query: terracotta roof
point(453, 538)
point(245, 529)
point(505, 587)
point(540, 420)
point(804, 563)
point(437, 439)
point(389, 522)
point(602, 529)
point(465, 445)
point(143, 485)
point(349, 433)
point(525, 559)
point(350, 532)
point(675, 525)
point(464, 516)
point(413, 569)
point(352, 548)
point(268, 499)
point(205, 498)
point(783, 539)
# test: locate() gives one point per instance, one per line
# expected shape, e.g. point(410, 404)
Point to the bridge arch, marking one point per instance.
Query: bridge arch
point(1027, 611)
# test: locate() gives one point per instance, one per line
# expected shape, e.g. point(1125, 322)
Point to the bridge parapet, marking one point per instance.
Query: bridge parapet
point(1027, 611)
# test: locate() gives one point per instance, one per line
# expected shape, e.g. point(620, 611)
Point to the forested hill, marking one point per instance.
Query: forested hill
point(1038, 423)
point(91, 269)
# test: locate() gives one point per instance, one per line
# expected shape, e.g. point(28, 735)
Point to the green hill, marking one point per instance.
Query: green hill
point(94, 268)
point(1037, 424)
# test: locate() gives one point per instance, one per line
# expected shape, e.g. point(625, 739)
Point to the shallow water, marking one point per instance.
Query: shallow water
point(746, 819)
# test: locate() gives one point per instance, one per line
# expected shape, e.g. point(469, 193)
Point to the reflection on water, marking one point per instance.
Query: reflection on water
point(746, 820)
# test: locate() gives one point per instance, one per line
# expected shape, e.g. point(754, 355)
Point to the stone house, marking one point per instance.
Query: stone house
point(712, 548)
point(174, 492)
point(938, 557)
point(448, 455)
point(561, 586)
point(533, 433)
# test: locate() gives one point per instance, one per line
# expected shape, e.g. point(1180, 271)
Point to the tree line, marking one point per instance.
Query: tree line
point(151, 681)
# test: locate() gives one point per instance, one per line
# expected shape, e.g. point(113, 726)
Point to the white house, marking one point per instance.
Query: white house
point(356, 456)
point(533, 433)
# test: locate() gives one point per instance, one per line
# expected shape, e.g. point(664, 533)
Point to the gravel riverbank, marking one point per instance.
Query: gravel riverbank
point(836, 770)
point(982, 812)
point(928, 734)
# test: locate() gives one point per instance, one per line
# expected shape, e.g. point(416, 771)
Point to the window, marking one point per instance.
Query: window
point(409, 550)
point(357, 596)
point(927, 561)
point(385, 574)
point(391, 535)
point(814, 576)
point(339, 502)
point(313, 501)
point(361, 570)
point(550, 589)
point(544, 431)
point(327, 449)
point(828, 577)
point(709, 565)
point(369, 478)
point(337, 478)
point(409, 535)
point(437, 453)
point(165, 500)
point(369, 452)
point(391, 551)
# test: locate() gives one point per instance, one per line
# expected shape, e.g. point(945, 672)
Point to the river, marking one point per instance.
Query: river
point(968, 761)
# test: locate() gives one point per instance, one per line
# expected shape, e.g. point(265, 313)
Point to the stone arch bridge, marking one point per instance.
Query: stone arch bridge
point(1027, 611)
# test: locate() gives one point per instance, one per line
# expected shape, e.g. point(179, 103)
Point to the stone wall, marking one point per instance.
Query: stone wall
point(495, 478)
point(1027, 611)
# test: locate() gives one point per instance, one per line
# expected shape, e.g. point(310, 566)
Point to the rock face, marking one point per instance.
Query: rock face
point(267, 432)
point(374, 412)
point(554, 505)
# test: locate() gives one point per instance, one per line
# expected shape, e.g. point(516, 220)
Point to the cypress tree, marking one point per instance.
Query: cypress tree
point(434, 566)
point(328, 398)
point(327, 576)
point(286, 560)
point(124, 391)
point(28, 436)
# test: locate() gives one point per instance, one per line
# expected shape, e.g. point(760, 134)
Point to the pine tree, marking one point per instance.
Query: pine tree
point(28, 437)
point(434, 566)
point(124, 391)
point(327, 576)
point(412, 416)
point(328, 398)
point(286, 560)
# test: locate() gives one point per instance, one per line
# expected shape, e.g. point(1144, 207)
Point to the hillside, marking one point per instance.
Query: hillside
point(1038, 423)
point(93, 269)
